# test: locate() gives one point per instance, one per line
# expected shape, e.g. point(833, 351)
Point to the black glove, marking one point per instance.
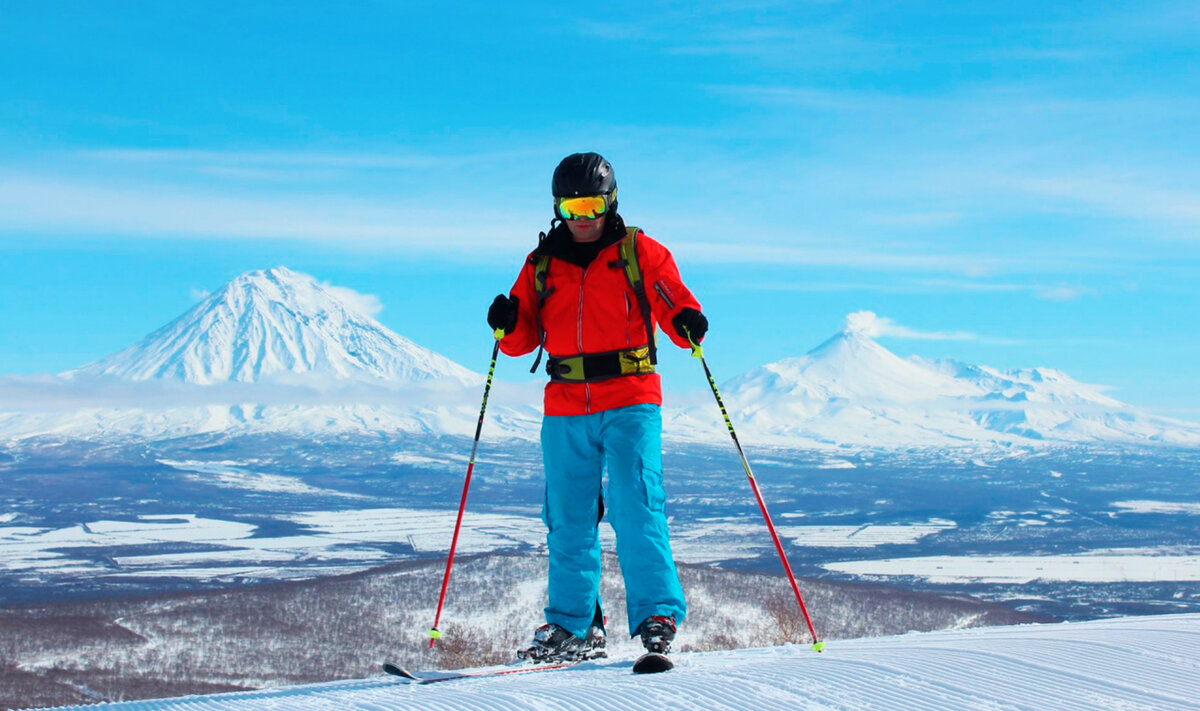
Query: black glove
point(690, 321)
point(503, 313)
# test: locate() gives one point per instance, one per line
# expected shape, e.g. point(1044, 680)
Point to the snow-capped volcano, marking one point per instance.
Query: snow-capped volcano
point(850, 390)
point(273, 323)
point(850, 367)
point(272, 351)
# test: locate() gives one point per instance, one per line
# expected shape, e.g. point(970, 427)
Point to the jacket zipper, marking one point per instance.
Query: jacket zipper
point(628, 309)
point(587, 391)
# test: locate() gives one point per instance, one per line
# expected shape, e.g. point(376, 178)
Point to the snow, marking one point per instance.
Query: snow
point(1159, 507)
point(1121, 565)
point(230, 475)
point(865, 536)
point(1127, 663)
point(332, 542)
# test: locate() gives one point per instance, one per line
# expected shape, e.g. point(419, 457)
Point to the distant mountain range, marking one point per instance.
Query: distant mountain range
point(277, 351)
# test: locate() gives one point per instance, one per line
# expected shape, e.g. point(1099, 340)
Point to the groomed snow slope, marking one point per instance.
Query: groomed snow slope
point(1137, 663)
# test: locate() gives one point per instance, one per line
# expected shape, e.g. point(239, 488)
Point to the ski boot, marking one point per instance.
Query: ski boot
point(553, 644)
point(657, 632)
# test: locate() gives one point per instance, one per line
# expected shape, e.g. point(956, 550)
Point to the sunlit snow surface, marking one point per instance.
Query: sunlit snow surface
point(230, 475)
point(1120, 565)
point(1161, 507)
point(1128, 663)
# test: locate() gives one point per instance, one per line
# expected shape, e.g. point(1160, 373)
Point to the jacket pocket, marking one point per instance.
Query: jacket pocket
point(664, 293)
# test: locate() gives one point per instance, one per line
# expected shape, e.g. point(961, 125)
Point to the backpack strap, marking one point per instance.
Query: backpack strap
point(541, 268)
point(633, 272)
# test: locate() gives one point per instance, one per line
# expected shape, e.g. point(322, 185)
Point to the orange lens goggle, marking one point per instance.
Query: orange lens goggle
point(582, 208)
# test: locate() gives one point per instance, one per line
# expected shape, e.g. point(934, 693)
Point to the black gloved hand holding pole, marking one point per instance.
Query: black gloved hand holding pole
point(502, 314)
point(690, 322)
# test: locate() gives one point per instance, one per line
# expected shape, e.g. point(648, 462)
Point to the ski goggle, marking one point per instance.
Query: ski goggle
point(583, 208)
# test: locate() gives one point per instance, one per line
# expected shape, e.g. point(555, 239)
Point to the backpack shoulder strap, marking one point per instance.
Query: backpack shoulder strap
point(633, 272)
point(541, 269)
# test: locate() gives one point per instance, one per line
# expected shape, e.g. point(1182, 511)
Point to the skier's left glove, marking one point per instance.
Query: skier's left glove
point(690, 321)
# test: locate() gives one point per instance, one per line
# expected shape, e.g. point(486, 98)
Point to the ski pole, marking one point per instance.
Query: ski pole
point(434, 633)
point(698, 352)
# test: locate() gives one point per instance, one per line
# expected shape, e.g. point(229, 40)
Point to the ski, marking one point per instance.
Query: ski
point(432, 677)
point(652, 663)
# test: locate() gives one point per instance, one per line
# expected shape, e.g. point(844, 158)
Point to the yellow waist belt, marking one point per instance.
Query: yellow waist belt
point(590, 367)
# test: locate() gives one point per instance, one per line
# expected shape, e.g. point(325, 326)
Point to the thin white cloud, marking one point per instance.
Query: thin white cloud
point(1063, 55)
point(1119, 196)
point(1046, 292)
point(71, 207)
point(941, 218)
point(920, 286)
point(68, 207)
point(301, 159)
point(1063, 293)
point(368, 304)
point(850, 254)
point(870, 324)
point(810, 97)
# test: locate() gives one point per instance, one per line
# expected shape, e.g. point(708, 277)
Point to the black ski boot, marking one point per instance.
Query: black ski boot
point(657, 632)
point(553, 644)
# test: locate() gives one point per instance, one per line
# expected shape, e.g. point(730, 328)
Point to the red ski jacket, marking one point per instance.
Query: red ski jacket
point(593, 309)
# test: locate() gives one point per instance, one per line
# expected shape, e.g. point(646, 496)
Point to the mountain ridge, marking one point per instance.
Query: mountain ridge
point(277, 351)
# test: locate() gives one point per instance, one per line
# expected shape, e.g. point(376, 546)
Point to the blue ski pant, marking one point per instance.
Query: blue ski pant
point(576, 452)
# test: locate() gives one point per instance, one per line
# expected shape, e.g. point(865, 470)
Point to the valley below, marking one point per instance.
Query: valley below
point(1071, 533)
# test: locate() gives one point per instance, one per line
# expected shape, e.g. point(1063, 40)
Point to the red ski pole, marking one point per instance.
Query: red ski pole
point(434, 633)
point(698, 352)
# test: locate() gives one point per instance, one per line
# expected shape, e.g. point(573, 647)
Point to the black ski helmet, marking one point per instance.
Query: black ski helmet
point(584, 174)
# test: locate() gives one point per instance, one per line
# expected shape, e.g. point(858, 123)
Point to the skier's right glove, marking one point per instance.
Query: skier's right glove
point(503, 313)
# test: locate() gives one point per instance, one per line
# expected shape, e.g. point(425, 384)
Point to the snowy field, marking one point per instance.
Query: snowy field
point(1133, 663)
point(357, 539)
point(1123, 565)
point(1100, 533)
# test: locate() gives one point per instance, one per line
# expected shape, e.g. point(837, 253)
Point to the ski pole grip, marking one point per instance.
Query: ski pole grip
point(697, 350)
point(498, 333)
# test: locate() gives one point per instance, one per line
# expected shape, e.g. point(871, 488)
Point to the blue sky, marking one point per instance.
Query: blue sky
point(1013, 184)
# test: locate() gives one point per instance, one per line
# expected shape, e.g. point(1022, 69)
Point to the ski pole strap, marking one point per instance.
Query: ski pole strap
point(591, 367)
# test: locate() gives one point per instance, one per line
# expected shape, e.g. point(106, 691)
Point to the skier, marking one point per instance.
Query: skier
point(577, 298)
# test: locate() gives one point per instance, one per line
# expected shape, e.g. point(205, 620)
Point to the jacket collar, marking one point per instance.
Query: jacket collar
point(558, 243)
